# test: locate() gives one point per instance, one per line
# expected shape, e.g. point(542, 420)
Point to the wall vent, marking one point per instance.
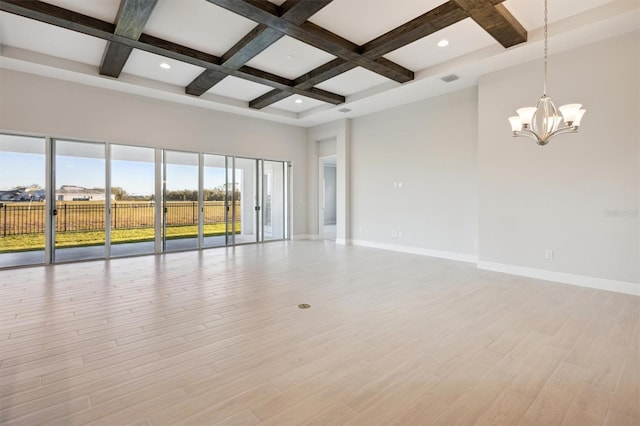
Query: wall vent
point(344, 110)
point(449, 78)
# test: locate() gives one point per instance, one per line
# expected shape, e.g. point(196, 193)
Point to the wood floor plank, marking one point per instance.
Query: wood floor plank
point(506, 410)
point(589, 407)
point(216, 337)
point(553, 401)
point(627, 394)
point(615, 418)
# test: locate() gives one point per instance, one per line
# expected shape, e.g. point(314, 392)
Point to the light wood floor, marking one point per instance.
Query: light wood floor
point(216, 337)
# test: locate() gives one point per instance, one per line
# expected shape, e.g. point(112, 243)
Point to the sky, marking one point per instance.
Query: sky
point(137, 178)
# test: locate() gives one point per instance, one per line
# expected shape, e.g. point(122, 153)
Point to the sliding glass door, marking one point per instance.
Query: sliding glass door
point(274, 206)
point(23, 193)
point(181, 201)
point(80, 201)
point(245, 218)
point(133, 204)
point(216, 201)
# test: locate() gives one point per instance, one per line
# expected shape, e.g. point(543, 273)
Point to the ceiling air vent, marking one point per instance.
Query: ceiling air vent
point(449, 78)
point(344, 110)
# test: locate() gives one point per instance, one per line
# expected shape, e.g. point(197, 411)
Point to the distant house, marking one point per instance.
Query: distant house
point(78, 193)
point(14, 195)
point(37, 195)
point(65, 193)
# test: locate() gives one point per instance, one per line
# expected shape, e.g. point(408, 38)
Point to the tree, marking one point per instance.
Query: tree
point(119, 192)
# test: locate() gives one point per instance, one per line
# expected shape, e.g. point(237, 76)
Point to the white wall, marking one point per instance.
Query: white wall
point(37, 105)
point(577, 196)
point(430, 147)
point(472, 192)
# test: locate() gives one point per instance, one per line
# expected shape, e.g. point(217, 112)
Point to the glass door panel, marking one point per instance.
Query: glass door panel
point(132, 208)
point(215, 205)
point(274, 200)
point(22, 200)
point(245, 220)
point(80, 200)
point(181, 214)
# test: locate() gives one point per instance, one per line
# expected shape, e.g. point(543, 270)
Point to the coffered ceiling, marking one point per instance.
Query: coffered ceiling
point(300, 62)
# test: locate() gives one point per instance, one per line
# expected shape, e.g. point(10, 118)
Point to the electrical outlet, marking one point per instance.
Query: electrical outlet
point(394, 234)
point(548, 254)
point(399, 234)
point(399, 185)
point(395, 185)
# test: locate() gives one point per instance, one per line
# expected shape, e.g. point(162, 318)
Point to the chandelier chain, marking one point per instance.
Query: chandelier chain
point(545, 47)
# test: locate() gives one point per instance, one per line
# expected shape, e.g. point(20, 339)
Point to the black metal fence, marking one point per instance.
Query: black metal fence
point(29, 218)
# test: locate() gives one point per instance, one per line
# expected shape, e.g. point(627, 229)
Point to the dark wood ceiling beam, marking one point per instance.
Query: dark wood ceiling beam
point(250, 45)
point(305, 82)
point(268, 98)
point(496, 20)
point(54, 15)
point(261, 37)
point(315, 36)
point(323, 73)
point(131, 19)
point(428, 23)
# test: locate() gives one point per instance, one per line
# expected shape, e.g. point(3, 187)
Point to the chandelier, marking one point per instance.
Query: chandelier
point(545, 121)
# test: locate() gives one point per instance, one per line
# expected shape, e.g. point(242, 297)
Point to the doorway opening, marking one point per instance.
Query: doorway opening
point(328, 198)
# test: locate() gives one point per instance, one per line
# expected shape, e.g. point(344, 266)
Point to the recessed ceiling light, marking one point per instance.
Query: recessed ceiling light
point(444, 42)
point(165, 66)
point(298, 101)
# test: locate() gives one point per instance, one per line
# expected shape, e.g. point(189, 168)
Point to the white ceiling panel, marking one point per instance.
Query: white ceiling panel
point(531, 13)
point(54, 41)
point(360, 21)
point(290, 58)
point(105, 10)
point(147, 65)
point(353, 81)
point(237, 88)
point(290, 104)
point(206, 27)
point(464, 37)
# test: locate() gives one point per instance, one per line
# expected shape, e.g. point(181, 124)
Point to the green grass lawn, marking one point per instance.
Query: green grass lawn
point(16, 243)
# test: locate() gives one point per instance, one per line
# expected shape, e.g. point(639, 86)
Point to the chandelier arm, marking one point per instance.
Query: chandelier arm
point(527, 133)
point(562, 130)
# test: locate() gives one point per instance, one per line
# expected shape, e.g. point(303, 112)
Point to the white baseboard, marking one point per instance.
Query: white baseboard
point(306, 237)
point(301, 237)
point(541, 274)
point(462, 257)
point(561, 277)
